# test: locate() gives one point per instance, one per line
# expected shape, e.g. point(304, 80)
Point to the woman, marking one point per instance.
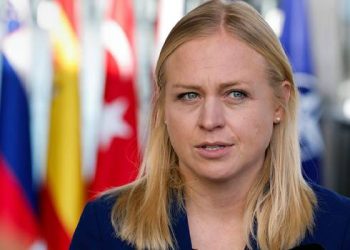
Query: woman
point(221, 169)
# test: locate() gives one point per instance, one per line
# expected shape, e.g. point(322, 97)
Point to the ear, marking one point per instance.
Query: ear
point(285, 90)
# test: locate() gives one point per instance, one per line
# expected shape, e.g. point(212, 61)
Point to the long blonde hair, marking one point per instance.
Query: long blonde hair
point(279, 209)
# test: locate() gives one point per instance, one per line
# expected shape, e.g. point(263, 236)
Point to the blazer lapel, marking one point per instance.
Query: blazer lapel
point(179, 227)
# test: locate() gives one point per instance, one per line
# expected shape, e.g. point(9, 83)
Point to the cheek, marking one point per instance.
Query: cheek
point(263, 133)
point(177, 126)
point(263, 129)
point(256, 127)
point(179, 138)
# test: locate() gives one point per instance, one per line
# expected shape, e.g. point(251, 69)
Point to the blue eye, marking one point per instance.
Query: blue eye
point(188, 96)
point(236, 94)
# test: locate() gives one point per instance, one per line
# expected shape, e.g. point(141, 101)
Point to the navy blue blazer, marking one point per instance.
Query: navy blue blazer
point(332, 225)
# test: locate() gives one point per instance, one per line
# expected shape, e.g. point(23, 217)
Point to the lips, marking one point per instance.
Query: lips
point(213, 150)
point(213, 145)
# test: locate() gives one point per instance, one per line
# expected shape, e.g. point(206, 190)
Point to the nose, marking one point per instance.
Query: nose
point(211, 115)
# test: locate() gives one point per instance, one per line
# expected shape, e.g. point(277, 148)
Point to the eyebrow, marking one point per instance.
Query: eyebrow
point(223, 85)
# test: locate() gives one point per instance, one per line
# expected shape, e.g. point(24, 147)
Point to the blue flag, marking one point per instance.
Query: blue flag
point(18, 209)
point(295, 39)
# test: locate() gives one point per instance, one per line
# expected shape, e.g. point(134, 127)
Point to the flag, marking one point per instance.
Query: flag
point(295, 39)
point(117, 157)
point(18, 201)
point(63, 198)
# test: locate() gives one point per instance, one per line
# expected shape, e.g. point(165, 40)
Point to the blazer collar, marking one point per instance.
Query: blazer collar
point(179, 227)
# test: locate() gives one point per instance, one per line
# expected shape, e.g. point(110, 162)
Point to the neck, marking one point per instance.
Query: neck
point(224, 198)
point(215, 214)
point(214, 202)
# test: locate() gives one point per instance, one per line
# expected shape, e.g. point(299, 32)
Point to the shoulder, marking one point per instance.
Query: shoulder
point(332, 205)
point(331, 200)
point(332, 220)
point(95, 230)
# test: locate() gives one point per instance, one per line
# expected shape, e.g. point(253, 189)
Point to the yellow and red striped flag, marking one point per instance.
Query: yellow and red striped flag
point(63, 195)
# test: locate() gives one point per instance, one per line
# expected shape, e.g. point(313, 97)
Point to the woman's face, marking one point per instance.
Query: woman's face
point(219, 108)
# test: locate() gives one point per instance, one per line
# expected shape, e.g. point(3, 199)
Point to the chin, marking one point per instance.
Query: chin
point(218, 176)
point(219, 179)
point(213, 172)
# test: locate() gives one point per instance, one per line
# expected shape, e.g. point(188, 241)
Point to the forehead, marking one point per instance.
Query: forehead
point(220, 58)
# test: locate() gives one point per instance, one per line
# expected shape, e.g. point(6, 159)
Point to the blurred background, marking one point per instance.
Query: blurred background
point(76, 87)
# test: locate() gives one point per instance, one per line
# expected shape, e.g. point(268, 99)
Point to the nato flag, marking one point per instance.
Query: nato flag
point(295, 39)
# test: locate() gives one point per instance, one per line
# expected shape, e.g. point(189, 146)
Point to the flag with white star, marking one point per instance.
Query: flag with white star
point(117, 159)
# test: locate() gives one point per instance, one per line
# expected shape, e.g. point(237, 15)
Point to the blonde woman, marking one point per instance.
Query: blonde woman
point(221, 169)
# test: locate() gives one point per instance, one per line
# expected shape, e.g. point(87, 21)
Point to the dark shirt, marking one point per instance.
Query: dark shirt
point(331, 231)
